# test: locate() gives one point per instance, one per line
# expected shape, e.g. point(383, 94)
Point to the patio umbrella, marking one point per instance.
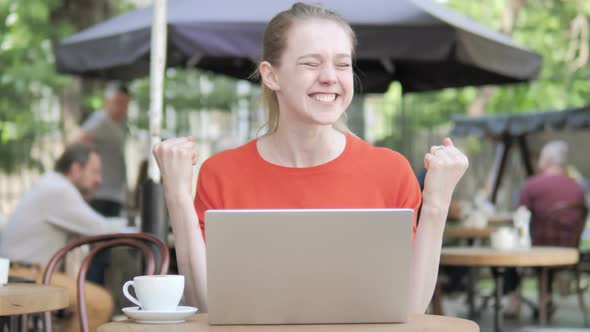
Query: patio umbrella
point(420, 43)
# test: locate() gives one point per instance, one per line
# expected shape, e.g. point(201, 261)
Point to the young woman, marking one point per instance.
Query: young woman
point(307, 158)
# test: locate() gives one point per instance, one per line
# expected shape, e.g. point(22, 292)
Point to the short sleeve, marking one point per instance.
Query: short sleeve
point(205, 200)
point(411, 195)
point(95, 122)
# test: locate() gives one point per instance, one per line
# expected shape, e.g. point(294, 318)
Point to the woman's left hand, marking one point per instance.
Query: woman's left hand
point(445, 165)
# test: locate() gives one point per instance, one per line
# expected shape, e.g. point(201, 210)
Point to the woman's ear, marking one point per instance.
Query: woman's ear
point(268, 76)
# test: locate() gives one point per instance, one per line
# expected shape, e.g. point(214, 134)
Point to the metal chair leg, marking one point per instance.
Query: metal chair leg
point(13, 325)
point(543, 296)
point(580, 292)
point(498, 273)
point(24, 323)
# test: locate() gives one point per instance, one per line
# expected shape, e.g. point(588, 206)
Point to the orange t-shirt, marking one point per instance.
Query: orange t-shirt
point(362, 176)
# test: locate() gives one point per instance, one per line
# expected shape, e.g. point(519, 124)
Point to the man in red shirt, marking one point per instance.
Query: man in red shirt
point(543, 193)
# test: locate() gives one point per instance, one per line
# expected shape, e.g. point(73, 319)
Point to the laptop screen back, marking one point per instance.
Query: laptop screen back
point(308, 266)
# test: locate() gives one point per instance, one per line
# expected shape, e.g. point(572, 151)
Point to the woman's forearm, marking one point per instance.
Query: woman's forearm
point(190, 248)
point(426, 251)
point(176, 158)
point(445, 165)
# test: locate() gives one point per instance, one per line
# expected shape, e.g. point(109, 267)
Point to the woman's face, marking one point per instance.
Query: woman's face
point(315, 78)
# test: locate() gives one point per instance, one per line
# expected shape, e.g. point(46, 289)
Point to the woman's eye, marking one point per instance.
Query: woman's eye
point(343, 65)
point(311, 64)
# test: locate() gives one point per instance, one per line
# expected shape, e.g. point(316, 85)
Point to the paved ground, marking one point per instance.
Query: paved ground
point(567, 318)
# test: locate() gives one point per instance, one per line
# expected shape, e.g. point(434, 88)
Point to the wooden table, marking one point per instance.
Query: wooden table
point(498, 260)
point(463, 232)
point(500, 219)
point(20, 299)
point(198, 323)
point(26, 298)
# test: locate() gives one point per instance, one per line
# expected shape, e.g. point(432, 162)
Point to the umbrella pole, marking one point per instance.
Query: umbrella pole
point(153, 214)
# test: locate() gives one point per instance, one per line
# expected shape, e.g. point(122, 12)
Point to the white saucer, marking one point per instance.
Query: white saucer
point(159, 317)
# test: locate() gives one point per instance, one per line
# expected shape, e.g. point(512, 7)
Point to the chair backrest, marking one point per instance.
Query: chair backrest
point(103, 242)
point(567, 221)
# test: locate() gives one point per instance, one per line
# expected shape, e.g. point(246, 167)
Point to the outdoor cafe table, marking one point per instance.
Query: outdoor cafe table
point(18, 299)
point(498, 260)
point(500, 219)
point(26, 298)
point(462, 232)
point(422, 323)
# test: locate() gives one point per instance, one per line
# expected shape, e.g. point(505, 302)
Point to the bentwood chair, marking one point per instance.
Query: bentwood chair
point(147, 243)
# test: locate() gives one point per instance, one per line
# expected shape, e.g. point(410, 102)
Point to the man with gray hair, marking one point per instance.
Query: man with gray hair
point(554, 157)
point(107, 131)
point(541, 194)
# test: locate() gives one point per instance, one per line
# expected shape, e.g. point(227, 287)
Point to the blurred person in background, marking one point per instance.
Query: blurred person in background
point(541, 194)
point(50, 214)
point(106, 129)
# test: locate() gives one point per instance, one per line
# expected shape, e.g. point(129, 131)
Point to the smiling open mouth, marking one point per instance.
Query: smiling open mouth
point(324, 97)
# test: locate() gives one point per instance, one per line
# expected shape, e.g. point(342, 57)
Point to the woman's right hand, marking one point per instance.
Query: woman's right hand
point(176, 158)
point(445, 165)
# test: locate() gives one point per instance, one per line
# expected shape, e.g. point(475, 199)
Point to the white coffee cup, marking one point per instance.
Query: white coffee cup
point(157, 292)
point(4, 267)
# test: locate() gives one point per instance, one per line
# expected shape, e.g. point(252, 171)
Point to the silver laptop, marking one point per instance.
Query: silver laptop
point(308, 266)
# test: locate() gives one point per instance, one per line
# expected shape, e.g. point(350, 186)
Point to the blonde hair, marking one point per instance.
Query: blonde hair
point(274, 44)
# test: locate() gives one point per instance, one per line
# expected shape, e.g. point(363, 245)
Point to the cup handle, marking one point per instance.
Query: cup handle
point(126, 292)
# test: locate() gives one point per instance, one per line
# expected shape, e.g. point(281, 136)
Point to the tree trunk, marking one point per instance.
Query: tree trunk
point(508, 21)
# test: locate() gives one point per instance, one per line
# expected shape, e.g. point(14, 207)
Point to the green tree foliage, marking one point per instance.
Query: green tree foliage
point(28, 79)
point(542, 26)
point(187, 90)
point(26, 75)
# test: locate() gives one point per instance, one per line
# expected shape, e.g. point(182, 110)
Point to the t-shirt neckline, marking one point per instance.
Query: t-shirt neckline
point(301, 170)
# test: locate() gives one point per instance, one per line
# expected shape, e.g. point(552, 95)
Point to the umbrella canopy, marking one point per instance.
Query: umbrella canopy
point(419, 43)
point(513, 125)
point(517, 130)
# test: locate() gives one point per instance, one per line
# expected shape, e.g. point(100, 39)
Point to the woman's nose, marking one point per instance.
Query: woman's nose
point(328, 74)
